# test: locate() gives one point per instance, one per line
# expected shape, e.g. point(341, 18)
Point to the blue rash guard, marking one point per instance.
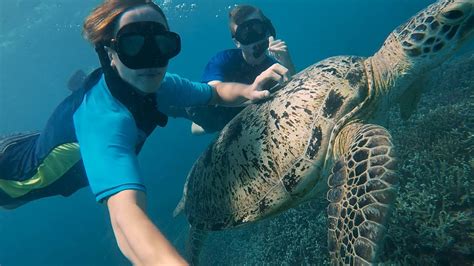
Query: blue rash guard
point(226, 66)
point(50, 163)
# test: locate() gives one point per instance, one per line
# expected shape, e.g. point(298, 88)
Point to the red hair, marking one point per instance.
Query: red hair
point(99, 26)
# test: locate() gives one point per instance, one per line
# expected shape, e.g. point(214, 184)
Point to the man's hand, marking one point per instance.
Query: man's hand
point(279, 50)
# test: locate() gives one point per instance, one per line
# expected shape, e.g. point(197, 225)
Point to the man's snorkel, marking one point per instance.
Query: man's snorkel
point(261, 48)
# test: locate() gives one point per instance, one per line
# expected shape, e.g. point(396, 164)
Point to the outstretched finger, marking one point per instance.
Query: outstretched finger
point(279, 45)
point(275, 45)
point(278, 50)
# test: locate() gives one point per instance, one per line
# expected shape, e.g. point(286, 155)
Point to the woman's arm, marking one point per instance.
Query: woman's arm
point(234, 94)
point(137, 237)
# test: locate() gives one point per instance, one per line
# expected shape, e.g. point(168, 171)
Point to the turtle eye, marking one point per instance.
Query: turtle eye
point(453, 14)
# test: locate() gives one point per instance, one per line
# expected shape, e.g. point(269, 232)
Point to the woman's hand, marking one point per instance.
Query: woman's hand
point(259, 88)
point(138, 238)
point(235, 94)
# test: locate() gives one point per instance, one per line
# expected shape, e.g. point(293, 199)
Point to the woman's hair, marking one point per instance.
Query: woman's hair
point(99, 26)
point(238, 14)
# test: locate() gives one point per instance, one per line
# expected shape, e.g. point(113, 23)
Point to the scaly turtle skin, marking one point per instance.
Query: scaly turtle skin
point(321, 132)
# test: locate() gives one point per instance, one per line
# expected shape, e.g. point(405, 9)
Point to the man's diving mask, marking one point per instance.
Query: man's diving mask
point(146, 44)
point(254, 30)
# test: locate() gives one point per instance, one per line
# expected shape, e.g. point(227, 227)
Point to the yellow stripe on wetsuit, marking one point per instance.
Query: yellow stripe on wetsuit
point(54, 166)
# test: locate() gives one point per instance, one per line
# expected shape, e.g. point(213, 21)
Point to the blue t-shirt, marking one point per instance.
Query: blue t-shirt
point(230, 66)
point(108, 136)
point(226, 66)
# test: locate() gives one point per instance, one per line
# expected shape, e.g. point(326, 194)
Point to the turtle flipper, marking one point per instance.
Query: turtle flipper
point(362, 188)
point(195, 243)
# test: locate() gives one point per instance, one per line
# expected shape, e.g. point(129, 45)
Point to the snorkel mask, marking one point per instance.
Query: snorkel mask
point(145, 44)
point(255, 31)
point(139, 45)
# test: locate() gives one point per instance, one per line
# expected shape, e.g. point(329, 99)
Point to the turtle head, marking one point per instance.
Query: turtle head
point(435, 33)
point(424, 42)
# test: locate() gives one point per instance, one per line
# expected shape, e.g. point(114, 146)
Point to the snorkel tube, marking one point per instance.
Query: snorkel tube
point(271, 29)
point(261, 48)
point(143, 107)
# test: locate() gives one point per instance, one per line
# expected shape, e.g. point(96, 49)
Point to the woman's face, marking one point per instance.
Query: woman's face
point(147, 80)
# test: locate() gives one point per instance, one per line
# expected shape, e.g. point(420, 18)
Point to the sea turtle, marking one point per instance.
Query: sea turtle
point(320, 133)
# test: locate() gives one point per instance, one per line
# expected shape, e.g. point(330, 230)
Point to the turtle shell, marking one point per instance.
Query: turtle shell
point(271, 155)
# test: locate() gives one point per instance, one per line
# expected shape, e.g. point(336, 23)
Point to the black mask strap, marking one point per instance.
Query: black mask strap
point(143, 107)
point(259, 49)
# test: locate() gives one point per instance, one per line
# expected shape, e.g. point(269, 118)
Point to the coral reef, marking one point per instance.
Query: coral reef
point(432, 221)
point(296, 237)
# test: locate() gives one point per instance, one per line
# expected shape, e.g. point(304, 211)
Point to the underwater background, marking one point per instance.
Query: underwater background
point(432, 223)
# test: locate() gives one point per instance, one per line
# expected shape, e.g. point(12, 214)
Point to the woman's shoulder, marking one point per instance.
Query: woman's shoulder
point(99, 104)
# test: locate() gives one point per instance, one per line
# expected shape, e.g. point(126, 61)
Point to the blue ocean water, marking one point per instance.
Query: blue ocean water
point(41, 46)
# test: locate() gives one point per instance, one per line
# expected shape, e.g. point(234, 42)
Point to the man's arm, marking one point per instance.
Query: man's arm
point(234, 94)
point(137, 237)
